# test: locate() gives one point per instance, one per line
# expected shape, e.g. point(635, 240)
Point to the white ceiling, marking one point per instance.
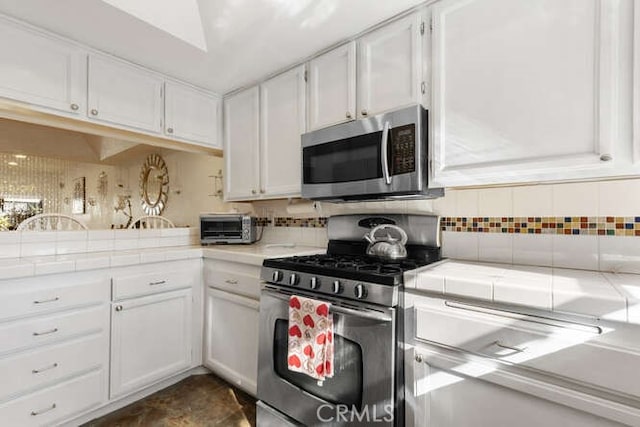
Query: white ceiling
point(245, 39)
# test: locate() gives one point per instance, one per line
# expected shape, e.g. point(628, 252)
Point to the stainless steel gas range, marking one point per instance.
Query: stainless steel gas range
point(366, 296)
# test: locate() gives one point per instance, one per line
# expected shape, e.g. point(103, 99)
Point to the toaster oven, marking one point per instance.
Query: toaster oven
point(227, 228)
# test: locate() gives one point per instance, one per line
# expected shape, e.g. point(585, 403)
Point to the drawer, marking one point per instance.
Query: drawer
point(44, 295)
point(571, 350)
point(151, 282)
point(54, 328)
point(234, 277)
point(48, 364)
point(56, 404)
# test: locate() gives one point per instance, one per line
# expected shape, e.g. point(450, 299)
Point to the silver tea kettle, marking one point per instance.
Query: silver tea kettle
point(383, 245)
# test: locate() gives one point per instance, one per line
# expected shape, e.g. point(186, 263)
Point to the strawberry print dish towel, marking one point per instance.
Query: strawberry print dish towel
point(310, 338)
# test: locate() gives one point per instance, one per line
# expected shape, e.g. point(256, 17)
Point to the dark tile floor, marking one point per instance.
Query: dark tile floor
point(200, 400)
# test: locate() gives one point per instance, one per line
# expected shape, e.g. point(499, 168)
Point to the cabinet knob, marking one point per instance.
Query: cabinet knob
point(254, 192)
point(94, 112)
point(419, 358)
point(75, 107)
point(118, 308)
point(348, 115)
point(364, 112)
point(262, 191)
point(606, 157)
point(169, 130)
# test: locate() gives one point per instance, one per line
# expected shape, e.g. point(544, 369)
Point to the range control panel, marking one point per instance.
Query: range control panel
point(343, 288)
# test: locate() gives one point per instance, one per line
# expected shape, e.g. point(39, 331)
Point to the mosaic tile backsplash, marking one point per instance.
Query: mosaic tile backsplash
point(319, 222)
point(574, 225)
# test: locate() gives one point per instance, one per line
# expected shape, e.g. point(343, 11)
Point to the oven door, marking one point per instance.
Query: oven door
point(227, 228)
point(376, 156)
point(362, 390)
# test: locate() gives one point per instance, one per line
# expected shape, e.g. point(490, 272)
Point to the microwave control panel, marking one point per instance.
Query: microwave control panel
point(403, 149)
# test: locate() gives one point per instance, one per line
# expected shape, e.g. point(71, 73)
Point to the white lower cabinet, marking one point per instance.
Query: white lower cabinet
point(53, 405)
point(472, 364)
point(54, 347)
point(446, 398)
point(151, 338)
point(231, 338)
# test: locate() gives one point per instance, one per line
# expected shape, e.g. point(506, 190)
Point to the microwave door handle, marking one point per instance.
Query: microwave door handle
point(385, 160)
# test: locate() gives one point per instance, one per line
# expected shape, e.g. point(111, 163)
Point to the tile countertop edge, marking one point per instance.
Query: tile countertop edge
point(15, 268)
point(589, 293)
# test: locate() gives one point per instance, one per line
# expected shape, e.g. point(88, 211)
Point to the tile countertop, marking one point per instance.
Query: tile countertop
point(611, 296)
point(255, 254)
point(11, 268)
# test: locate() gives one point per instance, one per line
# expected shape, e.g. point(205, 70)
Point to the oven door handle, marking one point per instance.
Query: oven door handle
point(384, 156)
point(366, 313)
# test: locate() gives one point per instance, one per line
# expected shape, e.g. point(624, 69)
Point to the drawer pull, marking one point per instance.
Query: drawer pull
point(231, 282)
point(46, 368)
point(508, 347)
point(161, 282)
point(43, 411)
point(50, 331)
point(44, 301)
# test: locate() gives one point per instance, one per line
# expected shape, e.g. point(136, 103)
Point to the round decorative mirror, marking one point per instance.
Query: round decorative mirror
point(154, 185)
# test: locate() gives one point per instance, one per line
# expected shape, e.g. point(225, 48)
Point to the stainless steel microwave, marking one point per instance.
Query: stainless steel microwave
point(378, 157)
point(227, 228)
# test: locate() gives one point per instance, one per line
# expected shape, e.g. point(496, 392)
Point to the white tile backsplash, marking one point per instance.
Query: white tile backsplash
point(467, 203)
point(575, 199)
point(533, 200)
point(460, 245)
point(533, 249)
point(495, 202)
point(619, 254)
point(495, 247)
point(619, 198)
point(580, 252)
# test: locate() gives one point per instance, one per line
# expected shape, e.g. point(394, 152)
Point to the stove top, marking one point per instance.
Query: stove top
point(346, 272)
point(354, 267)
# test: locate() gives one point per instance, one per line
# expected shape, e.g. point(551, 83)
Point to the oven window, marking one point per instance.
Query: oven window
point(219, 228)
point(346, 385)
point(351, 159)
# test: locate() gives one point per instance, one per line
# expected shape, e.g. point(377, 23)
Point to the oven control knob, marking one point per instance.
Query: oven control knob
point(277, 276)
point(314, 283)
point(294, 279)
point(360, 291)
point(336, 287)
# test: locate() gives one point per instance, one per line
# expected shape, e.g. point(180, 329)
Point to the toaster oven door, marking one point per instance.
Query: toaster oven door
point(221, 229)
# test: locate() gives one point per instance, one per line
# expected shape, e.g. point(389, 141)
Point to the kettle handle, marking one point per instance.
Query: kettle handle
point(371, 237)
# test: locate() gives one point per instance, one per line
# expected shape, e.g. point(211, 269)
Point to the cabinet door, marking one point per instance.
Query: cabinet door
point(42, 70)
point(441, 398)
point(524, 90)
point(241, 145)
point(332, 87)
point(282, 122)
point(151, 338)
point(191, 114)
point(124, 95)
point(390, 66)
point(231, 338)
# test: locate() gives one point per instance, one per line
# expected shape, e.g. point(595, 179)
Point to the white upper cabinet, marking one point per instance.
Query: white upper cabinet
point(525, 90)
point(390, 66)
point(192, 115)
point(241, 144)
point(332, 87)
point(282, 121)
point(42, 71)
point(123, 94)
